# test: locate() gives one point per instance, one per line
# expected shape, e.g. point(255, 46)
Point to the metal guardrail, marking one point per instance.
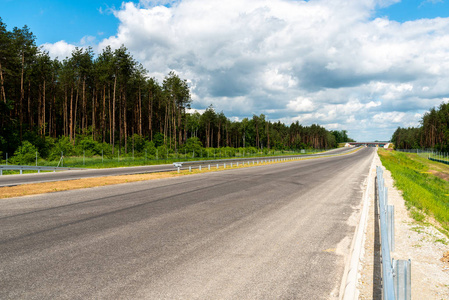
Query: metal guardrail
point(396, 274)
point(230, 164)
point(34, 168)
point(251, 160)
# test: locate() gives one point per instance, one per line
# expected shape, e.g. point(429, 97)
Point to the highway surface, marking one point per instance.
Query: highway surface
point(278, 231)
point(12, 180)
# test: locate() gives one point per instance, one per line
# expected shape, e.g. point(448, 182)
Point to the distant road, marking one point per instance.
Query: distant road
point(278, 231)
point(12, 180)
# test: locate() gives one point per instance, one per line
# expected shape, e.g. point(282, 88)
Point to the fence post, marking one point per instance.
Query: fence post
point(390, 220)
point(402, 279)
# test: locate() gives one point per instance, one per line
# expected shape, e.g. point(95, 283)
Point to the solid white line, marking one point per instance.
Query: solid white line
point(350, 277)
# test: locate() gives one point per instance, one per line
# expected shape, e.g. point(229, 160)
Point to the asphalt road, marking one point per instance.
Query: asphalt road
point(278, 231)
point(12, 180)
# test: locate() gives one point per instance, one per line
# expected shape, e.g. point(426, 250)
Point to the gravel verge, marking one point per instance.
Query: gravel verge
point(424, 244)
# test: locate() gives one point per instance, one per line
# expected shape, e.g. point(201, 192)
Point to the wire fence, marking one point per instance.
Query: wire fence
point(431, 154)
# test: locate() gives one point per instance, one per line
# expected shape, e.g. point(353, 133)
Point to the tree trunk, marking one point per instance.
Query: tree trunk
point(125, 123)
point(113, 115)
point(94, 96)
point(84, 117)
point(75, 115)
point(43, 110)
point(150, 115)
point(2, 84)
point(71, 115)
point(30, 115)
point(22, 91)
point(65, 112)
point(103, 115)
point(140, 112)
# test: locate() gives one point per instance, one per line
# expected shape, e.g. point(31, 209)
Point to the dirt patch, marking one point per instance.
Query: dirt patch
point(445, 257)
point(441, 175)
point(57, 186)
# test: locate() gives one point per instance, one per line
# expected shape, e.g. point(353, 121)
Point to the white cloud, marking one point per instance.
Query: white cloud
point(321, 61)
point(59, 49)
point(301, 104)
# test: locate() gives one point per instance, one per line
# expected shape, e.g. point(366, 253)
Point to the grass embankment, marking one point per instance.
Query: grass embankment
point(424, 185)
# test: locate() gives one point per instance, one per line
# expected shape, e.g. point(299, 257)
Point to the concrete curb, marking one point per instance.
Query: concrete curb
point(348, 290)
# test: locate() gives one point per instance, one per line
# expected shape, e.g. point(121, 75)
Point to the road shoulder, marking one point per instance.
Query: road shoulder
point(423, 244)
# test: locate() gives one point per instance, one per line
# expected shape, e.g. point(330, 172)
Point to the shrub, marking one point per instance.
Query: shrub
point(61, 146)
point(25, 154)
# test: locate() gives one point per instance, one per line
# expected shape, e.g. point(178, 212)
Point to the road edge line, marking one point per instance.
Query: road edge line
point(348, 288)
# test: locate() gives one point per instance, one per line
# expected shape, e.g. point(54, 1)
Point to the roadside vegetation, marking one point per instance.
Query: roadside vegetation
point(92, 154)
point(106, 105)
point(432, 134)
point(424, 184)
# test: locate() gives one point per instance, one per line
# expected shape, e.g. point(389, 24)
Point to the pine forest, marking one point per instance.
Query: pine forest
point(106, 103)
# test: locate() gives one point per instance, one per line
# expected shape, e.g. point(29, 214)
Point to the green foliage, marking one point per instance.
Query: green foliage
point(86, 105)
point(421, 190)
point(137, 143)
point(433, 133)
point(88, 146)
point(158, 139)
point(62, 146)
point(193, 145)
point(25, 154)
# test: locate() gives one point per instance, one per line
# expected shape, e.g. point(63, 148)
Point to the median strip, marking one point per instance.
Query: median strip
point(58, 186)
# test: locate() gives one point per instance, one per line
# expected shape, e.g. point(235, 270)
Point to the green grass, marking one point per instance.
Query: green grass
point(422, 191)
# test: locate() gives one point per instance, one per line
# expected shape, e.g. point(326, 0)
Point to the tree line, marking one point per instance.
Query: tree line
point(433, 132)
point(109, 98)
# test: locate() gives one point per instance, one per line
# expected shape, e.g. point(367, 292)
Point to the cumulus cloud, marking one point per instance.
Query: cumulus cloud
point(320, 61)
point(59, 49)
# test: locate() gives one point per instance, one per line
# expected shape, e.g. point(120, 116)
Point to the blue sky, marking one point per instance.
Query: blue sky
point(366, 66)
point(411, 10)
point(55, 20)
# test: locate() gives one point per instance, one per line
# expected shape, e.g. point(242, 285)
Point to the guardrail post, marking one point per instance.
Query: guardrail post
point(390, 226)
point(387, 267)
point(178, 169)
point(402, 279)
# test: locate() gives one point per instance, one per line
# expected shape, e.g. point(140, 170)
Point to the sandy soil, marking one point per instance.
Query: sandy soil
point(423, 244)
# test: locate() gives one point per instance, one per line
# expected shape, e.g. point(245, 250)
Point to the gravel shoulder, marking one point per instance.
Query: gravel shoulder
point(421, 243)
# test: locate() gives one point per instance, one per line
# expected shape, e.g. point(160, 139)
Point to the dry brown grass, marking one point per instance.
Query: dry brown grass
point(57, 186)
